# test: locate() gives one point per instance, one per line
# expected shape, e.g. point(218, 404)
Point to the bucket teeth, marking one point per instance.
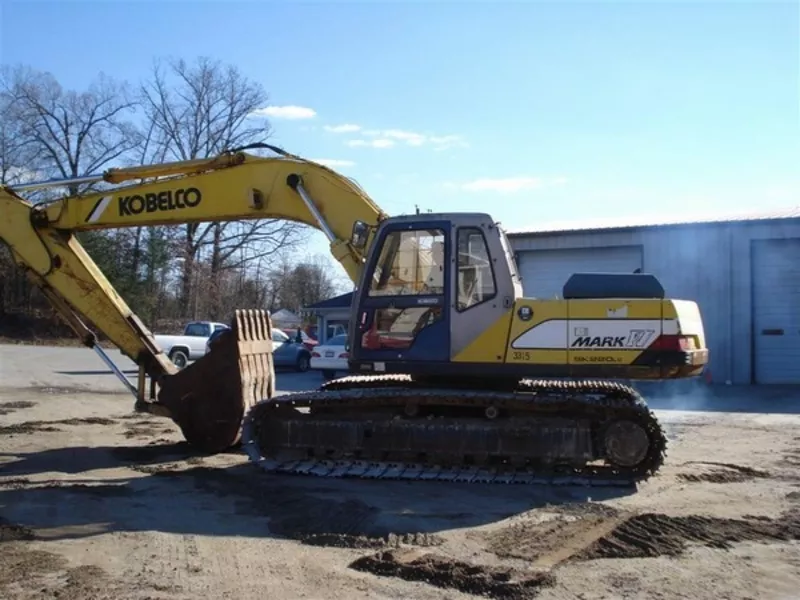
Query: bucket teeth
point(209, 397)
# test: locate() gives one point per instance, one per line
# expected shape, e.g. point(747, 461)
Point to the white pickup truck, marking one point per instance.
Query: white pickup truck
point(191, 345)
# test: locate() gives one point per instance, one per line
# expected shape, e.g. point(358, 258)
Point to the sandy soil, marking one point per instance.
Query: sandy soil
point(96, 502)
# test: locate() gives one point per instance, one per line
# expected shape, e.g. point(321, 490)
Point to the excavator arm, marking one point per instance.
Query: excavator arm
point(233, 186)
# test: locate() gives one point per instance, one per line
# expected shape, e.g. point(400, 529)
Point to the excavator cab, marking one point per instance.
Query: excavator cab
point(432, 283)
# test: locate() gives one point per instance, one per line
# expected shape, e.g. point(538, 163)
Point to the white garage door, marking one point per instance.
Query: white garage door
point(776, 310)
point(544, 272)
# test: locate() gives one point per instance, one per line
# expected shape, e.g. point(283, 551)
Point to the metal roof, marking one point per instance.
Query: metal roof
point(643, 222)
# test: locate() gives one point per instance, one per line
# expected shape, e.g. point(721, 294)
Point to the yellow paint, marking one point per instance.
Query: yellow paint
point(490, 345)
point(606, 309)
point(603, 356)
point(238, 187)
point(543, 310)
point(669, 310)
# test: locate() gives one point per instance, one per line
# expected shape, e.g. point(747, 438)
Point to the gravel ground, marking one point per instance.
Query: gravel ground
point(98, 502)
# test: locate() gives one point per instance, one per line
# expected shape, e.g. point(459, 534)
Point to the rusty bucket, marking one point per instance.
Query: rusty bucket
point(209, 398)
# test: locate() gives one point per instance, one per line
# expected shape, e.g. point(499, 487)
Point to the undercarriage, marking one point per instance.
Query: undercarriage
point(396, 427)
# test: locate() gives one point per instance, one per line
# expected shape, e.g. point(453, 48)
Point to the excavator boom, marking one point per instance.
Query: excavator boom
point(232, 186)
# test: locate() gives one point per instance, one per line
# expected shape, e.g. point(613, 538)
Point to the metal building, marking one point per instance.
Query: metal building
point(744, 273)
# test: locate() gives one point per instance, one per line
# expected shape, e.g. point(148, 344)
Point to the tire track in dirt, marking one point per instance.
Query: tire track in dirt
point(585, 532)
point(720, 472)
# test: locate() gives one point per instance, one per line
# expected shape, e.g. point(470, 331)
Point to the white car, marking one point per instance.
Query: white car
point(192, 344)
point(331, 357)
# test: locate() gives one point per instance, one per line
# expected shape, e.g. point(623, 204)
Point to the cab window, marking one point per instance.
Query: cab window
point(476, 282)
point(410, 263)
point(279, 336)
point(197, 330)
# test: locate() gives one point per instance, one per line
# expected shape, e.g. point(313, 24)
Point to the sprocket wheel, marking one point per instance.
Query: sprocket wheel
point(626, 443)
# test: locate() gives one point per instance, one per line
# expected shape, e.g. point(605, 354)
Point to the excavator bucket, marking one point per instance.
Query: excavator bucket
point(209, 398)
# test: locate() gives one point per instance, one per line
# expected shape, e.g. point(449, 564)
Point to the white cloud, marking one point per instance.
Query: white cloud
point(411, 138)
point(285, 112)
point(334, 162)
point(379, 143)
point(509, 185)
point(448, 141)
point(344, 128)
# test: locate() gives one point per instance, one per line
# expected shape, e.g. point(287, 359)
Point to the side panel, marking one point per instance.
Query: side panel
point(490, 345)
point(538, 333)
point(482, 292)
point(581, 332)
point(612, 331)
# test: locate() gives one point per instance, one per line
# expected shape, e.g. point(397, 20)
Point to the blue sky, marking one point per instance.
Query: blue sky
point(535, 112)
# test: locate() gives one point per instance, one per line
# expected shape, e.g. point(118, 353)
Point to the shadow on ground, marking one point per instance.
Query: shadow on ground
point(178, 492)
point(286, 379)
point(98, 372)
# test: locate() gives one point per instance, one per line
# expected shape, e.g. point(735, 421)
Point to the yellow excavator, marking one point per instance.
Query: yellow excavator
point(454, 375)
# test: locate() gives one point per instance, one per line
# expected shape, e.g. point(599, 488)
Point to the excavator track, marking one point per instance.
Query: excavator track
point(596, 433)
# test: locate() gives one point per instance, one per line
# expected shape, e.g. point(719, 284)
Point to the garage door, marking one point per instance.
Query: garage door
point(776, 310)
point(544, 272)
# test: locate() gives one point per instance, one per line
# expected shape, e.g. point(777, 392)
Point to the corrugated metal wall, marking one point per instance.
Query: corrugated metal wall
point(708, 264)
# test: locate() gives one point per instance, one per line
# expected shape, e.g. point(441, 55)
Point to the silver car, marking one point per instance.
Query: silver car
point(287, 353)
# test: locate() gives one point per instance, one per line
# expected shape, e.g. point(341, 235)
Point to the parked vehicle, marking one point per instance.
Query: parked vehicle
point(287, 353)
point(308, 341)
point(331, 357)
point(192, 344)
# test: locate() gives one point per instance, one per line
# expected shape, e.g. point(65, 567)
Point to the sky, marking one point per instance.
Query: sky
point(535, 112)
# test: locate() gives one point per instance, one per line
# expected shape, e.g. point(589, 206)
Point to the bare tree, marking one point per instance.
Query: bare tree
point(198, 110)
point(47, 131)
point(307, 282)
point(17, 150)
point(68, 133)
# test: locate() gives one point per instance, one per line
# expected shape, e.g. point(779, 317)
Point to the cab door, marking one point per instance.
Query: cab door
point(401, 313)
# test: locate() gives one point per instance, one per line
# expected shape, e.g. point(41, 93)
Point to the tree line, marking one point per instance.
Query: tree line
point(181, 111)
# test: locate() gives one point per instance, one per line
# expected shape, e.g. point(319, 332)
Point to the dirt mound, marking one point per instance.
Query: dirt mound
point(444, 572)
point(11, 532)
point(715, 472)
point(332, 540)
point(9, 407)
point(86, 421)
point(608, 533)
point(29, 427)
point(147, 428)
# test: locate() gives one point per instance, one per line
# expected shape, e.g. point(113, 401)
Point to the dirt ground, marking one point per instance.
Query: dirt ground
point(96, 502)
